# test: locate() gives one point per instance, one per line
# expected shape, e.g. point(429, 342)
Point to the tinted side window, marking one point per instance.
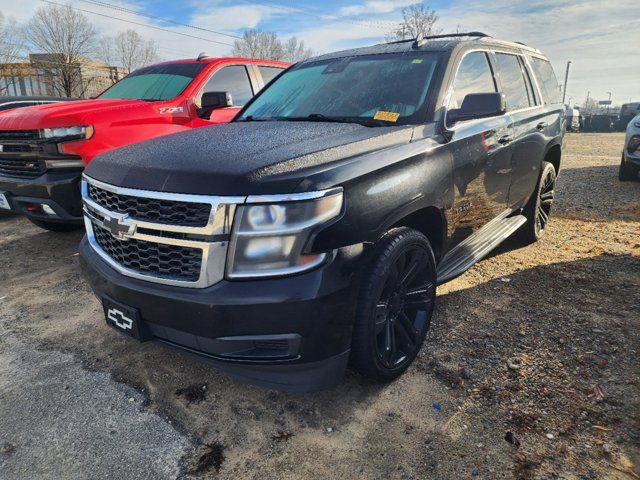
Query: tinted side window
point(234, 79)
point(528, 79)
point(269, 73)
point(547, 80)
point(512, 81)
point(474, 76)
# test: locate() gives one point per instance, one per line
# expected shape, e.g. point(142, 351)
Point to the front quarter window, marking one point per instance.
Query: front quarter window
point(375, 90)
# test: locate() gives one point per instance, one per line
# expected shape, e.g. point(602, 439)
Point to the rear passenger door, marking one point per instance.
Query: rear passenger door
point(528, 123)
point(481, 153)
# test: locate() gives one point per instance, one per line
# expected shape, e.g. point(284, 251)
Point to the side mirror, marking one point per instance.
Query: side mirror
point(478, 105)
point(213, 100)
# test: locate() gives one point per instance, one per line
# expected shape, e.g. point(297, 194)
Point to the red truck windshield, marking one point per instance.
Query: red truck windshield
point(158, 82)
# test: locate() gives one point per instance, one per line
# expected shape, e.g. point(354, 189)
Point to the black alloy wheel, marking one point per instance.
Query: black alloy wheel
point(545, 200)
point(538, 210)
point(395, 306)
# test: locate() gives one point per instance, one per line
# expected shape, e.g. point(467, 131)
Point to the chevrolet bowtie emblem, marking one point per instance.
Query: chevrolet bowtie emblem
point(118, 229)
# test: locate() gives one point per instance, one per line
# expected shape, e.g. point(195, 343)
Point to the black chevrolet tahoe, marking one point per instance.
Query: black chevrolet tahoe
point(311, 232)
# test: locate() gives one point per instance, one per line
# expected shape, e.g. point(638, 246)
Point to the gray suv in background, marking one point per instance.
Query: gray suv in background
point(630, 163)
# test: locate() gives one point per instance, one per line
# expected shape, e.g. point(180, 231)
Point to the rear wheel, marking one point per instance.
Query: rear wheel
point(627, 172)
point(395, 305)
point(55, 226)
point(538, 210)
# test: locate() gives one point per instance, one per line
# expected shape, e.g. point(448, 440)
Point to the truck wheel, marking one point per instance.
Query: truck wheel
point(395, 304)
point(538, 210)
point(55, 226)
point(627, 172)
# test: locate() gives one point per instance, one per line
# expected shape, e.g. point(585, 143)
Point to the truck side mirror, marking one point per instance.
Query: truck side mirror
point(478, 105)
point(213, 100)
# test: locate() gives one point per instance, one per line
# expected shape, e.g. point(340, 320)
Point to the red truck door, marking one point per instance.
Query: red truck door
point(242, 81)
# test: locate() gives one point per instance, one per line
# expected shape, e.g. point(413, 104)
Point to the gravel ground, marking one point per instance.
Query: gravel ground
point(531, 369)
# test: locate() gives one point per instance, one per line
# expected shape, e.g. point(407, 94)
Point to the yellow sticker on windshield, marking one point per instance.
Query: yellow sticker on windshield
point(417, 60)
point(386, 116)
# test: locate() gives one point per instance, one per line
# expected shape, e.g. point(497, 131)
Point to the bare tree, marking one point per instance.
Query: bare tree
point(258, 44)
point(261, 44)
point(67, 39)
point(417, 21)
point(295, 51)
point(10, 52)
point(128, 50)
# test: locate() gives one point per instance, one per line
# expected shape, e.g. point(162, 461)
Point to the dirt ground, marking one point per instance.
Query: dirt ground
point(531, 368)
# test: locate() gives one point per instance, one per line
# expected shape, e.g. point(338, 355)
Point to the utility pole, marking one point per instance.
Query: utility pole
point(566, 79)
point(609, 105)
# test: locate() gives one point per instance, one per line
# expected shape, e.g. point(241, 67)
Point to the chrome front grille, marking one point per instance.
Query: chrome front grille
point(159, 237)
point(153, 209)
point(150, 258)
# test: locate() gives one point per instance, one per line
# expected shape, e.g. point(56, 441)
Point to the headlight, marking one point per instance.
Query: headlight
point(269, 239)
point(68, 133)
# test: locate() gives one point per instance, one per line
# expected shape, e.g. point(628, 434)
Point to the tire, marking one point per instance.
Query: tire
point(393, 313)
point(627, 172)
point(56, 226)
point(538, 210)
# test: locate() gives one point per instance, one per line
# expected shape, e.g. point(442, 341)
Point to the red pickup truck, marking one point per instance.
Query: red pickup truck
point(44, 149)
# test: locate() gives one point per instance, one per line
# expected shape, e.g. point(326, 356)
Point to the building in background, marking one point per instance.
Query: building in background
point(41, 75)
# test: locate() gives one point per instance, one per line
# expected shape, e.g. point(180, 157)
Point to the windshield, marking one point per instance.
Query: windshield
point(158, 82)
point(375, 90)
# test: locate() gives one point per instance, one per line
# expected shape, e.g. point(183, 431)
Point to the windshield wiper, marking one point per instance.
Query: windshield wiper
point(319, 117)
point(251, 118)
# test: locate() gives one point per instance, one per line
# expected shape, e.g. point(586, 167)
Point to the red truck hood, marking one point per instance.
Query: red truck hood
point(81, 112)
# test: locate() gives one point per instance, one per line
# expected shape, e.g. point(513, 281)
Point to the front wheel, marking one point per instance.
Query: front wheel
point(627, 172)
point(56, 226)
point(395, 305)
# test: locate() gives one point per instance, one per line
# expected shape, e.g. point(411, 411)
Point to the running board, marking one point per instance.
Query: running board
point(477, 246)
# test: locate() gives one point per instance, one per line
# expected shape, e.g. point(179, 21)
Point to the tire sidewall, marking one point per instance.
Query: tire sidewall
point(374, 284)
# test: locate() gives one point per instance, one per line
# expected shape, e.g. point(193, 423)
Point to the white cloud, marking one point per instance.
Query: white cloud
point(375, 6)
point(600, 39)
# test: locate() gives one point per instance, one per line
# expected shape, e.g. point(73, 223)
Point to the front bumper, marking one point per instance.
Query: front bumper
point(58, 190)
point(633, 159)
point(291, 333)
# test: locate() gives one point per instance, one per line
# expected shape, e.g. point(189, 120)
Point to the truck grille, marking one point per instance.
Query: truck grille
point(19, 136)
point(171, 212)
point(22, 167)
point(149, 258)
point(173, 239)
point(20, 153)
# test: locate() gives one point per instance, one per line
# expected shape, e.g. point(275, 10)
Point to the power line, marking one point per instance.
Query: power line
point(137, 23)
point(155, 17)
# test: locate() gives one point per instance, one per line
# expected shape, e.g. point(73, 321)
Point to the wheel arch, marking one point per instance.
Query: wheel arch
point(553, 155)
point(431, 222)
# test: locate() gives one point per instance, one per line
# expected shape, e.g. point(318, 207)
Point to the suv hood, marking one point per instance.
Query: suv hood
point(241, 158)
point(75, 112)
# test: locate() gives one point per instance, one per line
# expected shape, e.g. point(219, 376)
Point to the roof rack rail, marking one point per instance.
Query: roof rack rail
point(444, 35)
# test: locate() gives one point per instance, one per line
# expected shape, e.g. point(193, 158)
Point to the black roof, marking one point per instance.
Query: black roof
point(431, 43)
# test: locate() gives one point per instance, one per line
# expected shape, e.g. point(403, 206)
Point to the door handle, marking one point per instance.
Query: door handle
point(505, 140)
point(541, 126)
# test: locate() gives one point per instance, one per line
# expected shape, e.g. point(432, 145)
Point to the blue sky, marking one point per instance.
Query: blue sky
point(597, 36)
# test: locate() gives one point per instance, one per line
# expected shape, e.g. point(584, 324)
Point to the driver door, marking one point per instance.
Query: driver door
point(234, 79)
point(480, 151)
